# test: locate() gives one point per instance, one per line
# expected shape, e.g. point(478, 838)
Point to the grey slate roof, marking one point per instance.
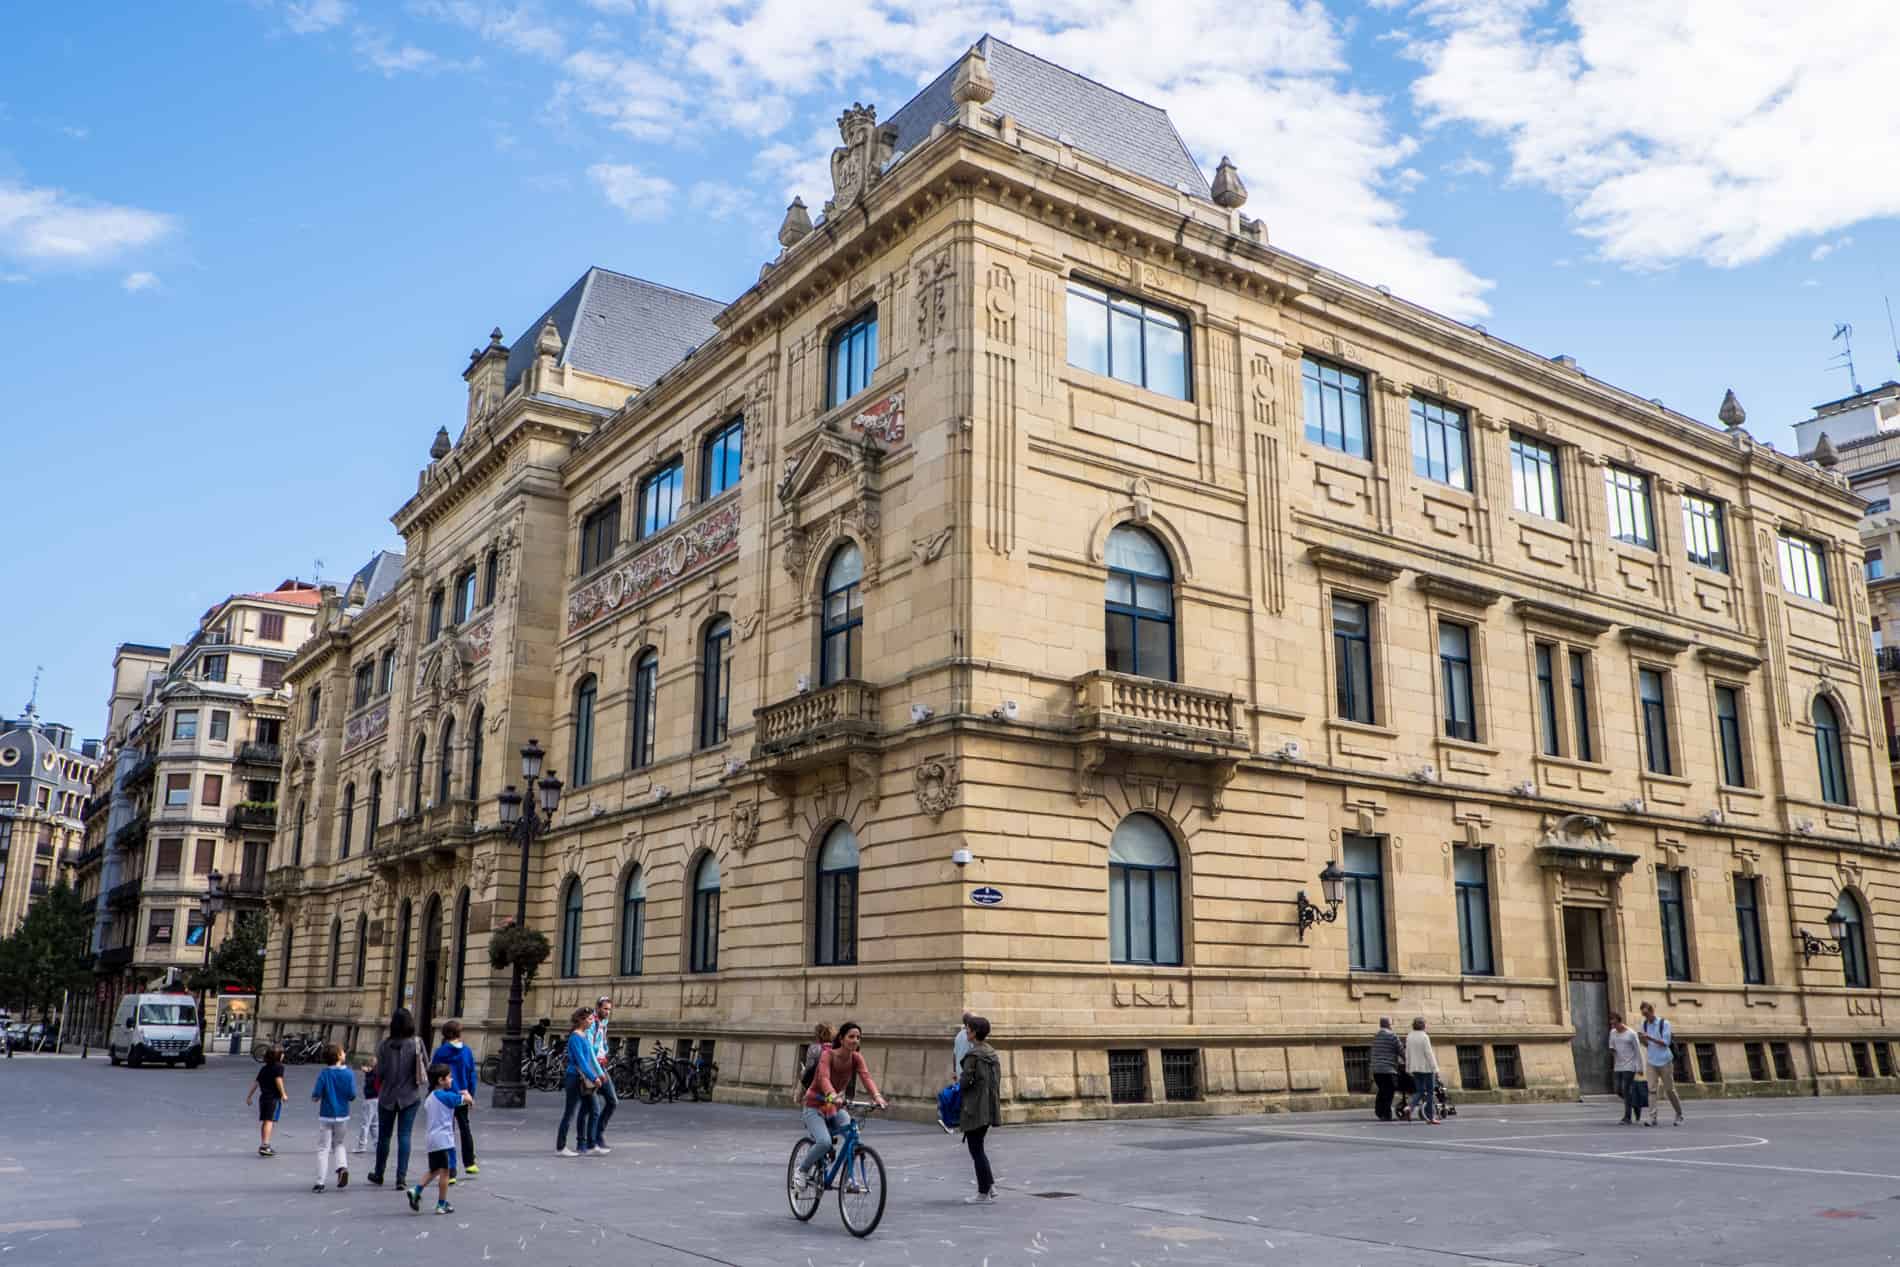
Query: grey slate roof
point(379, 576)
point(1044, 97)
point(620, 327)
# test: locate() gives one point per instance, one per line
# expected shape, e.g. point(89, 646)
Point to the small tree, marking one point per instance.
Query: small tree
point(236, 960)
point(51, 950)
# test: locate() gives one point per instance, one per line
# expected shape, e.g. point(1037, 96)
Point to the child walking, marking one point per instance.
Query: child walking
point(440, 1110)
point(462, 1078)
point(336, 1087)
point(368, 1090)
point(268, 1090)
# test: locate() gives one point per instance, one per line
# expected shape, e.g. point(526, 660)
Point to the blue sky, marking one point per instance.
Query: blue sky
point(246, 245)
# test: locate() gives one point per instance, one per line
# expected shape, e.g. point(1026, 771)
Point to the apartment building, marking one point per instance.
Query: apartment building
point(45, 780)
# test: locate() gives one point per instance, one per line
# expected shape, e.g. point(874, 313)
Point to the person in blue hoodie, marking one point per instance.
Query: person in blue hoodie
point(462, 1078)
point(335, 1089)
point(583, 1075)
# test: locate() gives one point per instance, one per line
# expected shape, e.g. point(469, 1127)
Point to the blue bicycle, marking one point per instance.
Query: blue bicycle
point(856, 1171)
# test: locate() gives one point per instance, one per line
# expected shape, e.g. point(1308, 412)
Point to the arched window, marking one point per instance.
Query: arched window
point(475, 757)
point(633, 922)
point(1140, 605)
point(1827, 753)
point(1144, 893)
point(841, 651)
point(415, 783)
point(571, 928)
point(715, 682)
point(835, 937)
point(283, 979)
point(375, 808)
point(296, 834)
point(349, 820)
point(361, 966)
point(461, 952)
point(445, 764)
point(402, 954)
point(581, 767)
point(1853, 942)
point(336, 948)
point(646, 692)
point(704, 956)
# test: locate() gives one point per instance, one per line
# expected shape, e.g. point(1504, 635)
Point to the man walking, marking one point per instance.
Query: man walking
point(609, 1098)
point(1388, 1054)
point(1659, 1042)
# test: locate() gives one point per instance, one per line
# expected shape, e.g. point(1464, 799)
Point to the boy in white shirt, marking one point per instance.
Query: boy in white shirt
point(440, 1111)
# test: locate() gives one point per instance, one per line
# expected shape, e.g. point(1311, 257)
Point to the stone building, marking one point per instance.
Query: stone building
point(1018, 599)
point(45, 779)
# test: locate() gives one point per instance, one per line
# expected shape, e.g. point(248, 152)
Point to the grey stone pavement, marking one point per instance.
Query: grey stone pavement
point(158, 1167)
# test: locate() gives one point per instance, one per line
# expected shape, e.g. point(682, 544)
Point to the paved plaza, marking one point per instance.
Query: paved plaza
point(158, 1166)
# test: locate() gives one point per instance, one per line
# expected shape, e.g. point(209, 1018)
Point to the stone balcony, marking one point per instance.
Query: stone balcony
point(439, 830)
point(836, 725)
point(253, 816)
point(1118, 715)
point(281, 882)
point(261, 754)
point(132, 832)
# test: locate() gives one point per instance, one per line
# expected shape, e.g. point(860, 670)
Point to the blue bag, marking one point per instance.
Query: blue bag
point(950, 1105)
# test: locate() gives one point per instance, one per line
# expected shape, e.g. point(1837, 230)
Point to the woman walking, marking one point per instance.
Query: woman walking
point(402, 1079)
point(583, 1075)
point(980, 1077)
point(1422, 1062)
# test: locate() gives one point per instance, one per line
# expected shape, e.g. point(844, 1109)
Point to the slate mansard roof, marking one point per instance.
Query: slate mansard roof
point(379, 576)
point(1046, 98)
point(620, 327)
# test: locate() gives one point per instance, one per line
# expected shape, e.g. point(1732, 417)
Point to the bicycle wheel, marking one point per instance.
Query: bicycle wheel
point(862, 1209)
point(650, 1085)
point(804, 1204)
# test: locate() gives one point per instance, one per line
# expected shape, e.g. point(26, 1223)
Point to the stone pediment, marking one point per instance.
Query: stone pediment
point(828, 459)
point(1582, 842)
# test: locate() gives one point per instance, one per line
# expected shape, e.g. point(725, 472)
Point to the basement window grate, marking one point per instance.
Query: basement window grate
point(1883, 1059)
point(1358, 1070)
point(1707, 1070)
point(1510, 1066)
point(1757, 1061)
point(1127, 1077)
point(1471, 1067)
point(1863, 1061)
point(1681, 1051)
point(1181, 1074)
point(1784, 1062)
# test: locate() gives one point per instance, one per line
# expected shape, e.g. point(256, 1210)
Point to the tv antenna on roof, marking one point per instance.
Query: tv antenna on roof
point(317, 564)
point(1890, 330)
point(1845, 333)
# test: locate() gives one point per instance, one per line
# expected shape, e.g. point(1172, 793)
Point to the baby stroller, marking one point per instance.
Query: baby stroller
point(1441, 1103)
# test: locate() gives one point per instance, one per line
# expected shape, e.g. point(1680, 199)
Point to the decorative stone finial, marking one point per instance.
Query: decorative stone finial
point(440, 449)
point(494, 337)
point(1229, 191)
point(973, 84)
point(1731, 413)
point(1826, 456)
point(548, 342)
point(796, 225)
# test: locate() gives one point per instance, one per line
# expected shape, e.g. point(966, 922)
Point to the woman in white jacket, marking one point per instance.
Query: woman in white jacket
point(1422, 1063)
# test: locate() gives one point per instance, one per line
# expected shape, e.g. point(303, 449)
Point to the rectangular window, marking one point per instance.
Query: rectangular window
point(178, 789)
point(1784, 1061)
point(1440, 443)
point(1127, 1077)
point(1181, 1074)
point(435, 614)
point(316, 706)
point(1803, 568)
point(600, 533)
point(1358, 1060)
point(158, 932)
point(1728, 735)
point(213, 792)
point(1883, 1058)
point(720, 459)
point(646, 689)
point(1534, 483)
point(220, 725)
point(716, 679)
point(363, 684)
point(1471, 1067)
point(171, 856)
point(1335, 407)
point(491, 576)
point(1675, 926)
point(185, 724)
point(1706, 1067)
point(215, 668)
point(1757, 1061)
point(464, 595)
point(1114, 334)
point(1473, 893)
point(1510, 1066)
point(851, 359)
point(1876, 565)
point(1703, 537)
point(1547, 700)
point(9, 793)
point(1653, 695)
point(270, 627)
point(1365, 903)
point(1580, 705)
point(1863, 1060)
point(1748, 924)
point(1352, 656)
point(660, 498)
point(1878, 506)
point(270, 674)
point(204, 857)
point(386, 672)
point(1630, 520)
point(1454, 671)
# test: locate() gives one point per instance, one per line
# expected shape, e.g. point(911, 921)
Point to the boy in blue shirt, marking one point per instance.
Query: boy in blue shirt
point(462, 1078)
point(335, 1089)
point(439, 1110)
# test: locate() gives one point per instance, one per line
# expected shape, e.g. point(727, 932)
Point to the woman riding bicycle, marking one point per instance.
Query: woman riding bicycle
point(840, 1067)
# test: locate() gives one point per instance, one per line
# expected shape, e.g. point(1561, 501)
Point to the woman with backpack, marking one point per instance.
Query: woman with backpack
point(980, 1080)
point(820, 1039)
point(401, 1079)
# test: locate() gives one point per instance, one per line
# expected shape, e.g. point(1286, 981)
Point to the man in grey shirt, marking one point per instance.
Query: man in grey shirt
point(1388, 1057)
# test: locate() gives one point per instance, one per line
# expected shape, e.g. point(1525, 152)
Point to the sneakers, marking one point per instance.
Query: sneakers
point(316, 1187)
point(376, 1177)
point(947, 1128)
point(602, 1148)
point(443, 1207)
point(415, 1198)
point(981, 1198)
point(565, 1152)
point(471, 1170)
point(801, 1180)
point(342, 1176)
point(265, 1150)
point(853, 1188)
point(451, 1181)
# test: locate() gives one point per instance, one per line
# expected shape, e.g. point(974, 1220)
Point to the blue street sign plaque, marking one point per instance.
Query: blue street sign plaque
point(987, 896)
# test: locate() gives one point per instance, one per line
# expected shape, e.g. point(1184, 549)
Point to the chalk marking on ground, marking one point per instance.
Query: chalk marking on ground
point(42, 1225)
point(1753, 1141)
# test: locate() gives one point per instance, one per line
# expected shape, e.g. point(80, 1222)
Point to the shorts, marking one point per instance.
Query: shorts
point(442, 1159)
point(269, 1108)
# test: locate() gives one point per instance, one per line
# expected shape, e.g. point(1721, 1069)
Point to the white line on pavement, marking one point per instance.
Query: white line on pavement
point(44, 1225)
point(1754, 1141)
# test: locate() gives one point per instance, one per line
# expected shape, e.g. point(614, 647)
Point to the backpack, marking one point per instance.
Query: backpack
point(950, 1104)
point(810, 1070)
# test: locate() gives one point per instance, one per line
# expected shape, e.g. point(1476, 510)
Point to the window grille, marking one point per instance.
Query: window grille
point(1707, 1070)
point(1757, 1062)
point(1510, 1068)
point(1681, 1051)
point(1883, 1059)
point(1358, 1070)
point(1471, 1067)
point(1127, 1077)
point(1181, 1074)
point(1863, 1061)
point(1784, 1062)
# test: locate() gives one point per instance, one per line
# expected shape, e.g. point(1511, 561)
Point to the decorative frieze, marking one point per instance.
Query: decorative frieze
point(367, 725)
point(685, 549)
point(883, 421)
point(479, 638)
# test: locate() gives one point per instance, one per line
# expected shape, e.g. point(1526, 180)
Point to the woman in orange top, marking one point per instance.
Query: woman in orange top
point(839, 1067)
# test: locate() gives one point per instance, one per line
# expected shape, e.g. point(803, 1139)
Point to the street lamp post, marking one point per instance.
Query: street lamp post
point(544, 796)
point(209, 905)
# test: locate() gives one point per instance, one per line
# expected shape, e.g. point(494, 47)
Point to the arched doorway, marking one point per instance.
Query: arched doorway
point(431, 969)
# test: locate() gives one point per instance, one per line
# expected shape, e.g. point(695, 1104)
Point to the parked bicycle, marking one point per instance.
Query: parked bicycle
point(856, 1171)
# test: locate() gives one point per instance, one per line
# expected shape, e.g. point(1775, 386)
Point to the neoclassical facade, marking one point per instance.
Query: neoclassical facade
point(1021, 595)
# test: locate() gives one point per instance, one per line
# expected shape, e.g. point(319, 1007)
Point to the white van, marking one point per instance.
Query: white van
point(156, 1027)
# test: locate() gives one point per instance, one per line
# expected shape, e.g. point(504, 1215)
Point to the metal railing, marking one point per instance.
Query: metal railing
point(261, 754)
point(245, 884)
point(1888, 659)
point(123, 894)
point(141, 769)
point(131, 832)
point(254, 815)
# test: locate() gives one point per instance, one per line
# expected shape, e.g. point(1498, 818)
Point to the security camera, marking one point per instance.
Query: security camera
point(962, 857)
point(804, 683)
point(921, 712)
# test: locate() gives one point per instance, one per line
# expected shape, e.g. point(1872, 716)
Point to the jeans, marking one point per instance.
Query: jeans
point(1422, 1093)
point(402, 1120)
point(582, 1098)
point(973, 1140)
point(608, 1100)
point(820, 1127)
point(1625, 1079)
point(1382, 1105)
point(467, 1134)
point(331, 1132)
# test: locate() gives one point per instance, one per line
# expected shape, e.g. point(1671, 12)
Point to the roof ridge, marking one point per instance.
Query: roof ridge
point(647, 281)
point(575, 326)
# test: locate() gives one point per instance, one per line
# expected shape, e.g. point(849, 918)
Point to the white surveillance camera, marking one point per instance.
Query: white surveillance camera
point(804, 683)
point(962, 857)
point(921, 712)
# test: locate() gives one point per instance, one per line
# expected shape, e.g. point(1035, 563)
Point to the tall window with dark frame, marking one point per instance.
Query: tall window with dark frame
point(349, 820)
point(633, 922)
point(214, 668)
point(491, 577)
point(404, 917)
point(1547, 722)
point(435, 613)
point(1473, 893)
point(715, 675)
point(416, 783)
point(1704, 536)
point(316, 706)
point(1876, 565)
point(1441, 443)
point(1335, 407)
point(660, 495)
point(1803, 567)
point(841, 635)
point(720, 461)
point(1352, 660)
point(361, 966)
point(283, 978)
point(1728, 735)
point(296, 834)
point(1121, 337)
point(1675, 923)
point(703, 947)
point(445, 764)
point(581, 763)
point(835, 930)
point(1829, 760)
point(850, 358)
point(1365, 902)
point(1144, 893)
point(600, 534)
point(475, 753)
point(362, 684)
point(336, 948)
point(1536, 484)
point(1580, 705)
point(1630, 520)
point(464, 595)
point(571, 928)
point(1454, 671)
point(646, 692)
point(375, 809)
point(1854, 966)
point(1653, 697)
point(459, 954)
point(1748, 925)
point(386, 673)
point(1140, 605)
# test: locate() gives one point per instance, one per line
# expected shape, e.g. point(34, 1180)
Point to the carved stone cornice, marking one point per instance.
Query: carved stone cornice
point(1723, 658)
point(1533, 611)
point(1349, 562)
point(1451, 589)
point(1655, 641)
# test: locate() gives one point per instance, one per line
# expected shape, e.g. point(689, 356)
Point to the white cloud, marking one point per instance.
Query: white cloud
point(1713, 130)
point(630, 95)
point(519, 29)
point(1826, 249)
point(76, 132)
point(377, 51)
point(135, 282)
point(1406, 179)
point(43, 224)
point(718, 200)
point(1467, 165)
point(312, 16)
point(13, 279)
point(637, 195)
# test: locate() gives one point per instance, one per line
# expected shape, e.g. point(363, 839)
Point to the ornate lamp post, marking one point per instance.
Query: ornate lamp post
point(1812, 945)
point(1331, 883)
point(544, 797)
point(209, 905)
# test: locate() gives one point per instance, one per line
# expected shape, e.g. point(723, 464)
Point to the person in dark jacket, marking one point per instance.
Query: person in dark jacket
point(461, 1062)
point(981, 1078)
point(400, 1073)
point(1388, 1058)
